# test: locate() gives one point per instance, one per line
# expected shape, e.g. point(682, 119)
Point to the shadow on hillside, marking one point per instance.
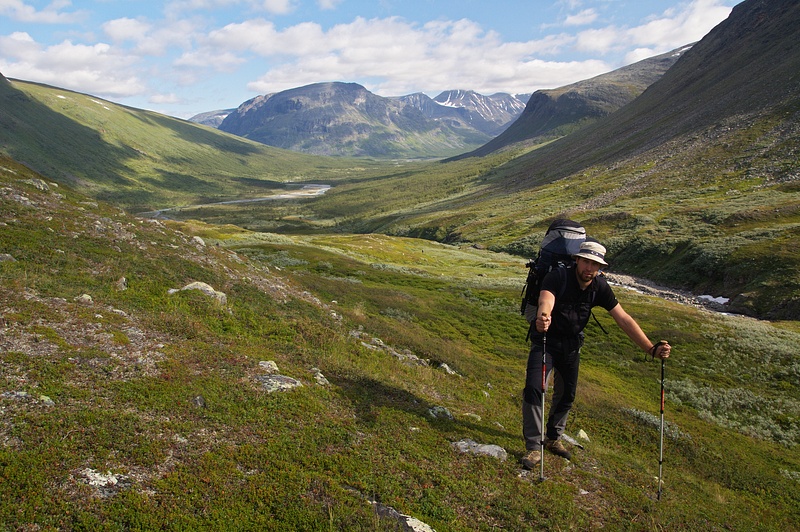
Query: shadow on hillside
point(64, 150)
point(369, 397)
point(196, 134)
point(34, 135)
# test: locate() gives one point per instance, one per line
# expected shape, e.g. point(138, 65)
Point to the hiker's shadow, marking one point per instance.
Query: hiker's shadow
point(370, 397)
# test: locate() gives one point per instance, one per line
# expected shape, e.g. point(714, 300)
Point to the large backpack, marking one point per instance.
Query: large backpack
point(562, 240)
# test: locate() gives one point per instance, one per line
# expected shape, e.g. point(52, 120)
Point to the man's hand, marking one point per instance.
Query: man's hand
point(661, 350)
point(543, 323)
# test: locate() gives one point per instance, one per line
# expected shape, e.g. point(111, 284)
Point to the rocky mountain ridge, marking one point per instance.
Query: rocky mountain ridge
point(338, 118)
point(553, 113)
point(489, 114)
point(346, 119)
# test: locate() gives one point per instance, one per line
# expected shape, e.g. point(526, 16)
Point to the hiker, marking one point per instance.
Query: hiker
point(565, 301)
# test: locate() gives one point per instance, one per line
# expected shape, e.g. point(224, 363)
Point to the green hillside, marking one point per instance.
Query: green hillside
point(127, 406)
point(142, 160)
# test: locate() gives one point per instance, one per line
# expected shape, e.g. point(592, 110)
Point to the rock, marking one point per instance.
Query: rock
point(199, 241)
point(472, 447)
point(572, 441)
point(319, 377)
point(582, 435)
point(38, 184)
point(406, 522)
point(122, 284)
point(84, 299)
point(107, 484)
point(205, 288)
point(440, 412)
point(199, 401)
point(46, 400)
point(376, 344)
point(447, 369)
point(15, 395)
point(278, 383)
point(269, 366)
point(94, 478)
point(5, 257)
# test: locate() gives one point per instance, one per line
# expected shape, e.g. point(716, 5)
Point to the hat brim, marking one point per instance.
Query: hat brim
point(591, 257)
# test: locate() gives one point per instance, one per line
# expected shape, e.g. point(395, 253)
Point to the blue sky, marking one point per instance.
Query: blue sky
point(184, 57)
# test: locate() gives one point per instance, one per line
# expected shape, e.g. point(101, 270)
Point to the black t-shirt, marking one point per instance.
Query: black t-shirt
point(573, 306)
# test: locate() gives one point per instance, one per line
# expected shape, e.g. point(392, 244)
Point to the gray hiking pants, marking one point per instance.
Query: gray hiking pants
point(565, 384)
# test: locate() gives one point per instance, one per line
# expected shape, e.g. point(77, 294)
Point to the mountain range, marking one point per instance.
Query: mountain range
point(346, 119)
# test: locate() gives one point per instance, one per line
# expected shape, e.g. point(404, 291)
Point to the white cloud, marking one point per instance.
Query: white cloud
point(601, 40)
point(51, 14)
point(276, 7)
point(126, 29)
point(675, 28)
point(251, 35)
point(328, 4)
point(397, 57)
point(587, 16)
point(149, 39)
point(639, 54)
point(659, 34)
point(96, 69)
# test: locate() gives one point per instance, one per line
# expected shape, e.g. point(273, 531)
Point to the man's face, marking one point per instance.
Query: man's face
point(586, 269)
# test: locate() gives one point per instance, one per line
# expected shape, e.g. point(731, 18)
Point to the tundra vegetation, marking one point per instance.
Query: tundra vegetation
point(129, 403)
point(136, 408)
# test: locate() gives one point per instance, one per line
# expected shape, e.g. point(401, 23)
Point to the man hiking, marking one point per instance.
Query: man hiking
point(565, 303)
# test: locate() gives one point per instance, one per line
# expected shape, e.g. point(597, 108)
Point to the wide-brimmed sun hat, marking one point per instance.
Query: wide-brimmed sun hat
point(593, 251)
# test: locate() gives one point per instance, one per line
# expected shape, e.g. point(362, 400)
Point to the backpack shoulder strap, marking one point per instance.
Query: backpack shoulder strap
point(562, 277)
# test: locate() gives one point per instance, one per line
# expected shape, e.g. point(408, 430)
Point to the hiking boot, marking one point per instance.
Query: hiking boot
point(531, 459)
point(557, 448)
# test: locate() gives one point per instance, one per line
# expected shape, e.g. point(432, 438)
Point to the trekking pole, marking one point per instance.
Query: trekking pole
point(661, 428)
point(544, 382)
point(661, 437)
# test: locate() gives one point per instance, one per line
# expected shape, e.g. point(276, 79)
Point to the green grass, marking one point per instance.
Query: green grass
point(388, 252)
point(124, 388)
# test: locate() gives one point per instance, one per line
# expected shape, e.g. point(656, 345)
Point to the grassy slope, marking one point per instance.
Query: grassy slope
point(143, 160)
point(123, 386)
point(699, 218)
point(715, 212)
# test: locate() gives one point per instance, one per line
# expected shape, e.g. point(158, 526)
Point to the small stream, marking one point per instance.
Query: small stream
point(306, 191)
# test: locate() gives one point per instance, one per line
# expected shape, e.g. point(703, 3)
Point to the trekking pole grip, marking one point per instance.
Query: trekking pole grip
point(654, 349)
